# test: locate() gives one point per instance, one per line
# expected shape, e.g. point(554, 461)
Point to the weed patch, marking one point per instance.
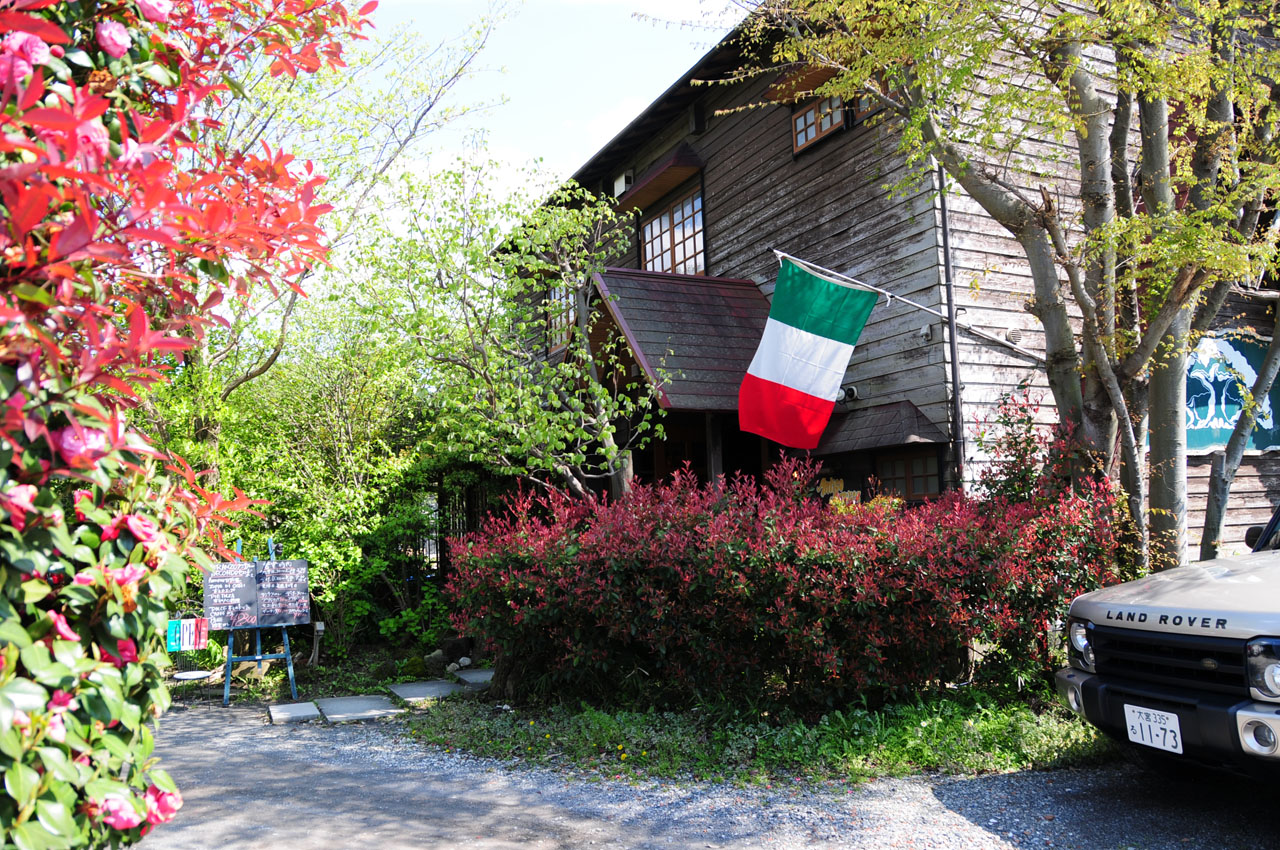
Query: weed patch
point(967, 734)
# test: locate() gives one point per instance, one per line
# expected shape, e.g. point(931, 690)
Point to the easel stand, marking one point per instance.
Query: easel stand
point(257, 656)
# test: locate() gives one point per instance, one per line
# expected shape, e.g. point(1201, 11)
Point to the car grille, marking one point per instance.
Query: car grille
point(1208, 663)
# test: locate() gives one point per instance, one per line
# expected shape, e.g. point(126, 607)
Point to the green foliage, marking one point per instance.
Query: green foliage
point(962, 732)
point(495, 295)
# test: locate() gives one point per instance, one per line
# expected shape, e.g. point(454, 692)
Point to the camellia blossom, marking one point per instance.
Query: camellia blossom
point(129, 574)
point(82, 447)
point(56, 728)
point(61, 628)
point(83, 578)
point(92, 143)
point(143, 529)
point(128, 653)
point(62, 701)
point(27, 46)
point(20, 499)
point(161, 805)
point(156, 11)
point(118, 812)
point(113, 38)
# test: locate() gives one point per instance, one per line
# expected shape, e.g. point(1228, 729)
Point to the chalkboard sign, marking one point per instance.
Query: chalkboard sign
point(283, 597)
point(248, 594)
point(231, 595)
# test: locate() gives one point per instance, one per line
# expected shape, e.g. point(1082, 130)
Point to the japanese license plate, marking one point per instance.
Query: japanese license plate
point(1153, 728)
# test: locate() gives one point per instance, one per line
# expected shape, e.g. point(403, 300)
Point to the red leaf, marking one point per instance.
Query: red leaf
point(54, 119)
point(48, 31)
point(367, 8)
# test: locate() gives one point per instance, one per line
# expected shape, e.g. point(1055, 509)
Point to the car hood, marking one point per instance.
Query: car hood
point(1235, 597)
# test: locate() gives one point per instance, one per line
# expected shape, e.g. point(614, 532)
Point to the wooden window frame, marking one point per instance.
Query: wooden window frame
point(562, 315)
point(657, 237)
point(811, 117)
point(908, 458)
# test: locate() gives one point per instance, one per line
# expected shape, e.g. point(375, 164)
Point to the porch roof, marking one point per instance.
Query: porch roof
point(698, 332)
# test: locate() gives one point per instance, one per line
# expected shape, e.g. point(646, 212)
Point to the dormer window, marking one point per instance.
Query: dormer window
point(672, 239)
point(820, 118)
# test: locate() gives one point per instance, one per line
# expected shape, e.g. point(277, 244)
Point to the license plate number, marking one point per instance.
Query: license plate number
point(1151, 728)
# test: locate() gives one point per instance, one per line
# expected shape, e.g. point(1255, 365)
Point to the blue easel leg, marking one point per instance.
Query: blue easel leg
point(226, 677)
point(293, 684)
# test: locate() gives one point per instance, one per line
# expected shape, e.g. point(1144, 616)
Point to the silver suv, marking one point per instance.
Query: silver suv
point(1184, 665)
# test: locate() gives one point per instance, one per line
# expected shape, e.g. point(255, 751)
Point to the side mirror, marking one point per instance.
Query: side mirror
point(1252, 535)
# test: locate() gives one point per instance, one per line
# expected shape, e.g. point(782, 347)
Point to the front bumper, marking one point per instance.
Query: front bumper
point(1217, 729)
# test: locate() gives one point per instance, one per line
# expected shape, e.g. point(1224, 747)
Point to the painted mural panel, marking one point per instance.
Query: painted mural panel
point(1220, 371)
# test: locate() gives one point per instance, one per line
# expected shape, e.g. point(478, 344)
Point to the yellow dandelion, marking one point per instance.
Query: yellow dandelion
point(624, 755)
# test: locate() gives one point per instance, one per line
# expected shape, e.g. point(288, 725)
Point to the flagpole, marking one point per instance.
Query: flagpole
point(845, 280)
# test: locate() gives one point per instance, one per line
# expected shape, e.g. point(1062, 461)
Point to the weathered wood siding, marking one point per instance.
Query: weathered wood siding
point(830, 205)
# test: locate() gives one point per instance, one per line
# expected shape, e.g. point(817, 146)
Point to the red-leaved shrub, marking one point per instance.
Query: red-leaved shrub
point(765, 592)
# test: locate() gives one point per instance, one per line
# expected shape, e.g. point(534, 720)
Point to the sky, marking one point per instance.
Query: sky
point(572, 73)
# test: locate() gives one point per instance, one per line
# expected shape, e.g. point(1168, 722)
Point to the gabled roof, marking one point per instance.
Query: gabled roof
point(699, 333)
point(895, 424)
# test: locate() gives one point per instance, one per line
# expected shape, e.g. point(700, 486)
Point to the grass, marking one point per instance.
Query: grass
point(966, 733)
point(365, 670)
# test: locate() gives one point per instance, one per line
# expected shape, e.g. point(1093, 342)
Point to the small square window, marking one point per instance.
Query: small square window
point(816, 120)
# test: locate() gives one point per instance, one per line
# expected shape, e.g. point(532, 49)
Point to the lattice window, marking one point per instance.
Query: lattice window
point(911, 477)
point(673, 238)
point(818, 119)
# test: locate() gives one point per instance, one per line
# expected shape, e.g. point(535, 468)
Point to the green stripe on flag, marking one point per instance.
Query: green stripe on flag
point(810, 303)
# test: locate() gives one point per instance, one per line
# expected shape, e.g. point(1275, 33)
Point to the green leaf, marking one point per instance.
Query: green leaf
point(34, 590)
point(30, 836)
point(55, 817)
point(24, 695)
point(157, 74)
point(21, 782)
point(235, 86)
point(56, 762)
point(78, 57)
point(27, 292)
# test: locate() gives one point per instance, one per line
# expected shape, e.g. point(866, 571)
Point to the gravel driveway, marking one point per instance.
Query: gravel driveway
point(248, 784)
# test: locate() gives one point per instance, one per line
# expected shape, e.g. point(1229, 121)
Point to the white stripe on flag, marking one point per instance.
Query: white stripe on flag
point(812, 364)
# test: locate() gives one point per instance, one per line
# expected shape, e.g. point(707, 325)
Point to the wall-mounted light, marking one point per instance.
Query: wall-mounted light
point(926, 333)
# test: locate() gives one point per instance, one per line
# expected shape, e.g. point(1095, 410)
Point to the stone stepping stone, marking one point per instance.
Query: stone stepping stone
point(425, 691)
point(348, 709)
point(476, 679)
point(293, 712)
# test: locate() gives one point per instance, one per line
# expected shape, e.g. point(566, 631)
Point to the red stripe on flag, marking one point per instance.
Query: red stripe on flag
point(782, 414)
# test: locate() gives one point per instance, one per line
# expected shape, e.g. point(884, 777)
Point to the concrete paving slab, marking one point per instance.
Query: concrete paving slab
point(293, 712)
point(476, 678)
point(423, 691)
point(347, 709)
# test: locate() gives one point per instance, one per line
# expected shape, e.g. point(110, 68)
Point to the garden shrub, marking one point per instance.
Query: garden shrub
point(120, 235)
point(765, 592)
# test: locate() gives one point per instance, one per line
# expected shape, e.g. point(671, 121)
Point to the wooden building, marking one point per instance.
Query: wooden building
point(715, 177)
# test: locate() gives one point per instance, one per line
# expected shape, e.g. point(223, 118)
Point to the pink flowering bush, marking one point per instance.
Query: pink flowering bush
point(767, 593)
point(118, 237)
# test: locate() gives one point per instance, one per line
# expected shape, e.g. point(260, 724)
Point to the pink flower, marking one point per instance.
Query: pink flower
point(118, 812)
point(132, 153)
point(92, 142)
point(14, 71)
point(57, 730)
point(30, 47)
point(61, 628)
point(128, 652)
point(162, 805)
point(83, 446)
point(82, 498)
point(82, 578)
point(62, 701)
point(23, 496)
point(113, 38)
point(21, 719)
point(129, 574)
point(156, 11)
point(144, 530)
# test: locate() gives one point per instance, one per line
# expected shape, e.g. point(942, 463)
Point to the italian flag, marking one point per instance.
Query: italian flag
point(791, 386)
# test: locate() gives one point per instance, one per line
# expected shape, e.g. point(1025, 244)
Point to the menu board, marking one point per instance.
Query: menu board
point(248, 594)
point(283, 597)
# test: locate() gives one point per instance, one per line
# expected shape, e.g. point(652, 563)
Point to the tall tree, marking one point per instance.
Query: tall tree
point(359, 122)
point(495, 292)
point(1166, 119)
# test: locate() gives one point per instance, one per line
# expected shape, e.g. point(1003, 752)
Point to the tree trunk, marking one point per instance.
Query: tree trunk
point(1168, 458)
point(1223, 474)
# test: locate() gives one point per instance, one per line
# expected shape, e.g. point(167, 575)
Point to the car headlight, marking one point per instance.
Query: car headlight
point(1262, 657)
point(1080, 645)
